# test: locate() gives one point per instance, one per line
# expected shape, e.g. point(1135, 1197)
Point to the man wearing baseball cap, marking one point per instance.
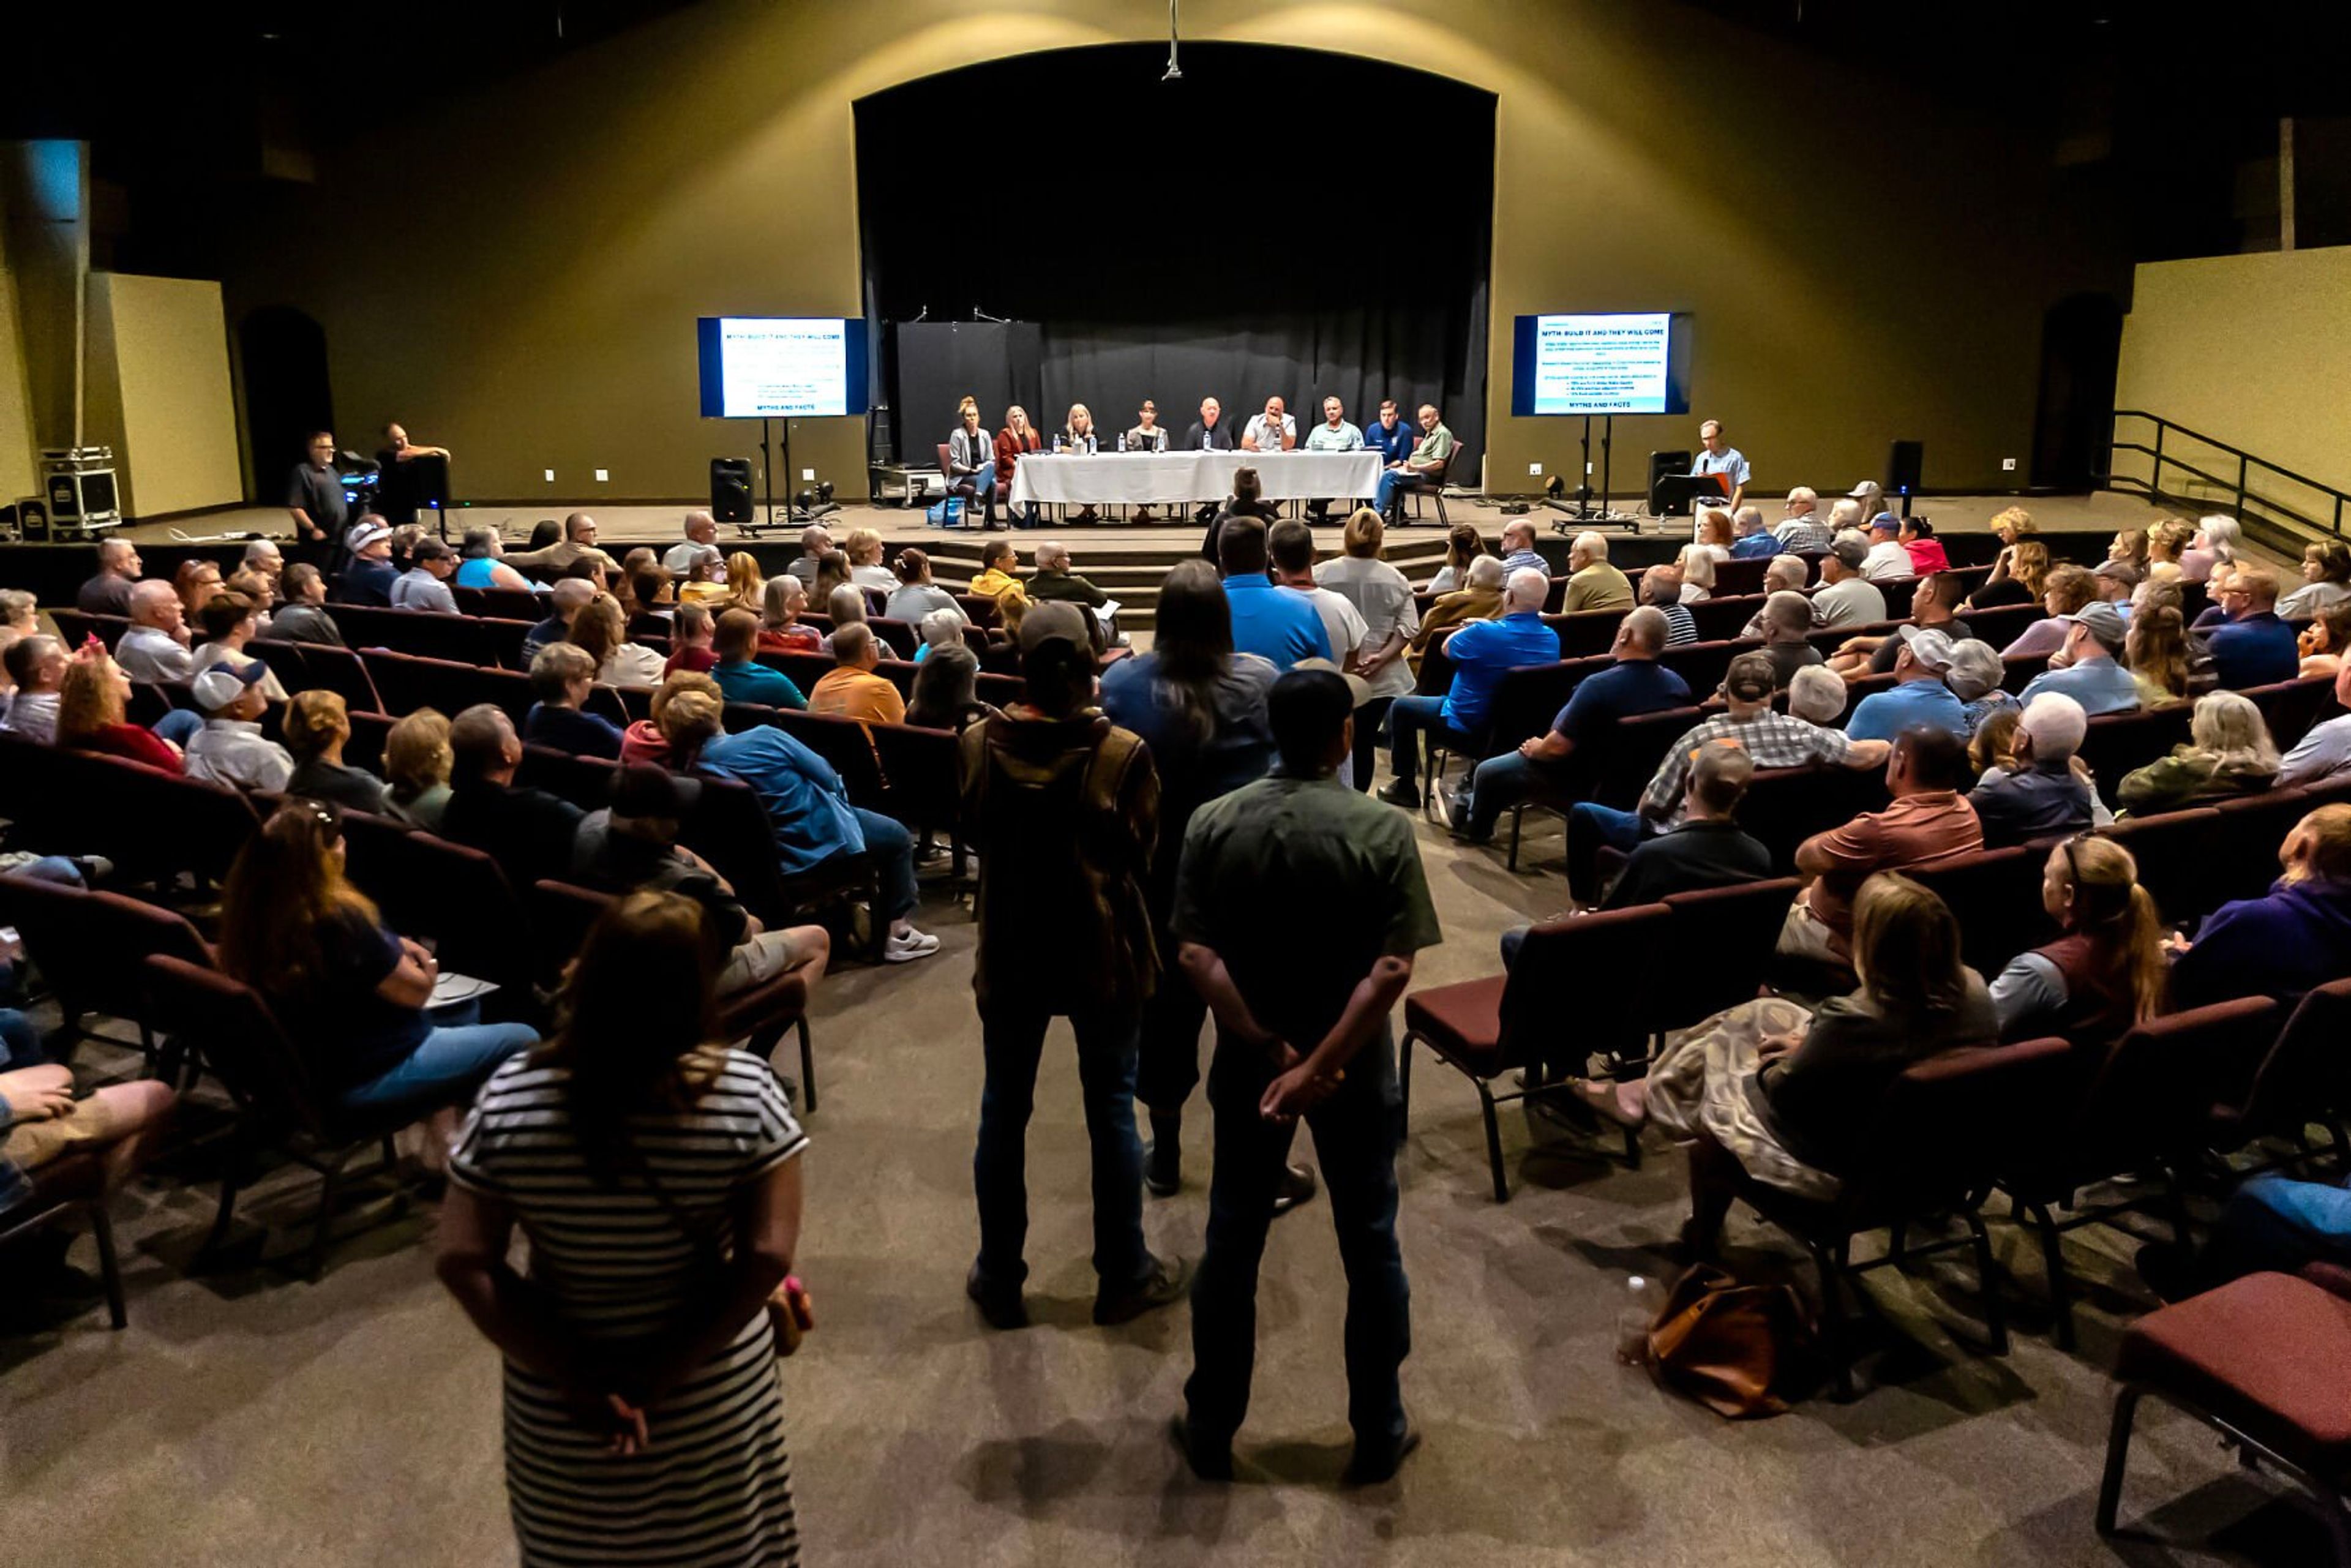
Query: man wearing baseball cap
point(1887, 558)
point(1846, 598)
point(426, 584)
point(1918, 695)
point(2085, 668)
point(369, 577)
point(231, 749)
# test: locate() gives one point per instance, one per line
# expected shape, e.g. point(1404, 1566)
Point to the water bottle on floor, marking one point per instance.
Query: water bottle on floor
point(1644, 1299)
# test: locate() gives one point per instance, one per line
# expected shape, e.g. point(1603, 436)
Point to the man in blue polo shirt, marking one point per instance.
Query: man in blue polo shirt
point(1274, 624)
point(2085, 668)
point(1480, 652)
point(2252, 647)
point(1918, 695)
point(1634, 684)
point(1390, 435)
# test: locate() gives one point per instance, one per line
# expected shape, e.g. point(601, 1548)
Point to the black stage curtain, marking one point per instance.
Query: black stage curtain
point(1278, 222)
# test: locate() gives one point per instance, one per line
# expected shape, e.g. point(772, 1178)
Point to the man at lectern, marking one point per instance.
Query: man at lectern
point(1719, 457)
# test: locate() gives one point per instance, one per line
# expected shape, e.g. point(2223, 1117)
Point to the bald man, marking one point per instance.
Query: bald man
point(1481, 652)
point(697, 559)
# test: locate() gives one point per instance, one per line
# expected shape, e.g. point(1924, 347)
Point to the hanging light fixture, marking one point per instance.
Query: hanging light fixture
point(1175, 72)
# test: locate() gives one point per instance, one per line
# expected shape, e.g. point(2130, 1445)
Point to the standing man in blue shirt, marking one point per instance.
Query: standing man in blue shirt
point(1918, 695)
point(1480, 652)
point(1716, 455)
point(1276, 625)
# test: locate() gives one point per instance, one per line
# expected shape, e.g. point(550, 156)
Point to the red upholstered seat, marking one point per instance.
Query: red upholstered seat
point(1463, 1023)
point(2270, 1354)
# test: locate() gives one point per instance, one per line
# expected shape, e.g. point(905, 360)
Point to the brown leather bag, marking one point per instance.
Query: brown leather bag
point(1740, 1350)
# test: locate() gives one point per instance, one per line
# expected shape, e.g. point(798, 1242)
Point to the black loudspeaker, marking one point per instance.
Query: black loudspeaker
point(730, 489)
point(1662, 464)
point(1904, 460)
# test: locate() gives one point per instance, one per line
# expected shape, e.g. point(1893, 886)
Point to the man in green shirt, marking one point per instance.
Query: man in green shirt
point(1299, 906)
point(1432, 455)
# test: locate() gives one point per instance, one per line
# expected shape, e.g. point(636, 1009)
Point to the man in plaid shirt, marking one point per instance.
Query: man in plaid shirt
point(1773, 739)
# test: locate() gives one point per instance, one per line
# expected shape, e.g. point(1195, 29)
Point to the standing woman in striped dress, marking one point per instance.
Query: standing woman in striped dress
point(653, 1176)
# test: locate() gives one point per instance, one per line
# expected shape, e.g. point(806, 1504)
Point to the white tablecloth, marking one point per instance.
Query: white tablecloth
point(1171, 478)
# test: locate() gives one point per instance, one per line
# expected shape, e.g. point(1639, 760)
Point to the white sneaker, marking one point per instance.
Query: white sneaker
point(905, 946)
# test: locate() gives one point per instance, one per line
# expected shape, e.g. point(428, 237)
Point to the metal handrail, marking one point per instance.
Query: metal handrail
point(2246, 462)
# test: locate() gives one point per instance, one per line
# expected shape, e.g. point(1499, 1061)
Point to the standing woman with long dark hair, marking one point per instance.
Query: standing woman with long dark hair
point(653, 1172)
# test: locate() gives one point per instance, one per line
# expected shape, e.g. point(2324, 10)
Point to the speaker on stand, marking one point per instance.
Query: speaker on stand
point(1665, 465)
point(730, 490)
point(1905, 460)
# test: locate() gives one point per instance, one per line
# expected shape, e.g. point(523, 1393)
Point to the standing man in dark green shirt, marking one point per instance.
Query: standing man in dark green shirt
point(1299, 907)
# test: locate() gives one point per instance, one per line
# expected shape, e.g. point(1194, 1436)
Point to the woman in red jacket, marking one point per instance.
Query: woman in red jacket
point(1017, 436)
point(90, 706)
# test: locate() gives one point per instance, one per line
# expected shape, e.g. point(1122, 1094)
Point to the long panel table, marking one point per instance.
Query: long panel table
point(1173, 478)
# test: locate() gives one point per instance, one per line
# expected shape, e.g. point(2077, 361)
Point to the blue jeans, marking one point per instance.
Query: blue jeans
point(892, 848)
point(1591, 829)
point(1497, 784)
point(447, 1066)
point(1409, 717)
point(1392, 482)
point(20, 1042)
point(1355, 1142)
point(1013, 1039)
point(179, 726)
point(2272, 1222)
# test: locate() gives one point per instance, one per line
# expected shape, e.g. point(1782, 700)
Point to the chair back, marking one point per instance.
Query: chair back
point(342, 671)
point(2152, 1097)
point(1786, 806)
point(1995, 896)
point(2115, 743)
point(2291, 707)
point(1726, 615)
point(585, 781)
point(1527, 699)
point(2306, 1076)
point(1725, 936)
point(730, 831)
point(239, 1038)
point(1739, 577)
point(923, 767)
point(2016, 673)
point(88, 944)
point(1702, 666)
point(2243, 859)
point(1583, 633)
point(2172, 851)
point(900, 636)
point(1944, 1127)
point(1635, 746)
point(1581, 985)
point(560, 915)
point(2003, 623)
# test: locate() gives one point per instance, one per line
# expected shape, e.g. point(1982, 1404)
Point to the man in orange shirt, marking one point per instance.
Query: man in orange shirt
point(853, 690)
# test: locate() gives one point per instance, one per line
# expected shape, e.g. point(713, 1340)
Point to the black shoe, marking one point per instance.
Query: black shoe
point(1371, 1469)
point(1163, 1178)
point(1208, 1464)
point(1296, 1187)
point(1163, 1287)
point(1003, 1309)
point(1402, 792)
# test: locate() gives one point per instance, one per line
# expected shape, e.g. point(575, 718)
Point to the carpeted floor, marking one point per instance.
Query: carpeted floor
point(246, 1418)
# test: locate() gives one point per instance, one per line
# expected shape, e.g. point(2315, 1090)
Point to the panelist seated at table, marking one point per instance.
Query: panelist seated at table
point(1272, 431)
point(972, 464)
point(1209, 433)
point(1335, 433)
point(1077, 437)
point(1429, 459)
point(1149, 435)
point(1391, 435)
point(1017, 436)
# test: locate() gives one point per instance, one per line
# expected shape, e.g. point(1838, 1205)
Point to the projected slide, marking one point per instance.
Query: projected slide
point(1617, 363)
point(773, 367)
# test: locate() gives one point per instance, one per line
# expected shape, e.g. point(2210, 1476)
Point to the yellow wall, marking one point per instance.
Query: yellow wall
point(2255, 350)
point(533, 306)
point(158, 392)
point(17, 474)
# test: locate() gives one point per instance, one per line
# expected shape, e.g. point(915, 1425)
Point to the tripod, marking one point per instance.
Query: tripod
point(1584, 512)
point(768, 478)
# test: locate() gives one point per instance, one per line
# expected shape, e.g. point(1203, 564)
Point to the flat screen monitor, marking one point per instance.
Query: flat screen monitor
point(781, 367)
point(1621, 362)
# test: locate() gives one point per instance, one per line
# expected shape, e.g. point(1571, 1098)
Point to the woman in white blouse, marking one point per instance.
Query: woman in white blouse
point(863, 549)
point(603, 631)
point(1382, 596)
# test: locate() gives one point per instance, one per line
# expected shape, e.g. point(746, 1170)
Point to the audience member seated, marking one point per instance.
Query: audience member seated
point(1562, 758)
point(632, 844)
point(1930, 608)
point(2167, 542)
point(2270, 1224)
point(1281, 627)
point(19, 618)
point(1753, 541)
point(577, 547)
point(353, 996)
point(1592, 582)
point(560, 678)
point(780, 628)
point(1662, 590)
point(1247, 500)
point(528, 831)
point(1706, 848)
point(939, 629)
point(91, 706)
point(2326, 581)
point(231, 749)
point(2158, 655)
point(1480, 600)
point(2324, 642)
point(1918, 696)
point(1771, 738)
point(697, 557)
point(1801, 526)
point(416, 763)
point(1817, 697)
point(1846, 598)
point(1519, 552)
point(426, 584)
point(2065, 588)
point(316, 726)
point(1483, 653)
point(2296, 935)
point(565, 601)
point(2019, 577)
point(997, 580)
point(2038, 786)
point(480, 567)
point(1929, 822)
point(108, 592)
point(692, 630)
point(2085, 668)
point(369, 575)
point(1789, 1098)
point(2117, 583)
point(1716, 528)
point(2228, 753)
point(2325, 752)
point(193, 583)
point(2254, 646)
point(155, 648)
point(36, 669)
point(642, 741)
point(745, 588)
point(944, 690)
point(1787, 624)
point(917, 596)
point(231, 620)
point(815, 543)
point(2107, 972)
point(1462, 545)
point(741, 677)
point(851, 689)
point(602, 631)
point(1054, 580)
point(1925, 551)
point(1887, 559)
point(807, 807)
point(2214, 545)
point(42, 1121)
